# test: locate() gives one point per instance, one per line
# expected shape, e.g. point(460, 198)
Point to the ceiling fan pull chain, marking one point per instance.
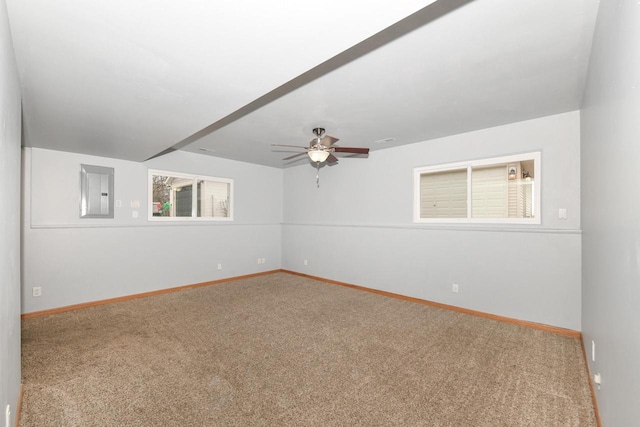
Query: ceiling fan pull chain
point(318, 174)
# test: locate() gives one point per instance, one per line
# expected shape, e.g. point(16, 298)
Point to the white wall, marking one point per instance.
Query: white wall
point(9, 222)
point(610, 131)
point(78, 260)
point(357, 227)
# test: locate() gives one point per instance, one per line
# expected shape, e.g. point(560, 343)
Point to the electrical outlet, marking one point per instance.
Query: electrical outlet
point(264, 260)
point(454, 288)
point(219, 266)
point(259, 260)
point(306, 262)
point(36, 291)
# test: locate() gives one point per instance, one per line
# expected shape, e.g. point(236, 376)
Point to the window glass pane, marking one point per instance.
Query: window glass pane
point(490, 192)
point(443, 194)
point(161, 199)
point(527, 184)
point(502, 190)
point(213, 199)
point(182, 197)
point(172, 196)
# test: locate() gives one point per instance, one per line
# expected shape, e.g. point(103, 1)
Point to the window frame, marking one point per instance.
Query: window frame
point(469, 165)
point(194, 198)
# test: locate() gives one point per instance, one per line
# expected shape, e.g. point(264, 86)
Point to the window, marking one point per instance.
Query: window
point(181, 196)
point(498, 190)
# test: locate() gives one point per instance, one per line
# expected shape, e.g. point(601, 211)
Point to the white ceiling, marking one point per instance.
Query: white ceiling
point(131, 79)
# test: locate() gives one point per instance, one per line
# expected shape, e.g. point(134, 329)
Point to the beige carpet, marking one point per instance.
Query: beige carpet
point(284, 350)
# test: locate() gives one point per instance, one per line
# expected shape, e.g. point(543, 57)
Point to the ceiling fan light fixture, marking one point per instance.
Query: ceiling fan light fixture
point(318, 156)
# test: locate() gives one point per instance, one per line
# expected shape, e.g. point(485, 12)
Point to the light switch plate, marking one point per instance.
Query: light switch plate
point(562, 213)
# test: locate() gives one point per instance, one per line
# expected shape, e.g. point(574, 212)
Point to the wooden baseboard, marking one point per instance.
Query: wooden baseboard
point(593, 390)
point(533, 325)
point(539, 326)
point(141, 295)
point(19, 406)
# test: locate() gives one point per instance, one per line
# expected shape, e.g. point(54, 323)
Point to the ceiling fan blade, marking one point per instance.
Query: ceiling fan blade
point(295, 155)
point(328, 140)
point(355, 150)
point(285, 145)
point(332, 159)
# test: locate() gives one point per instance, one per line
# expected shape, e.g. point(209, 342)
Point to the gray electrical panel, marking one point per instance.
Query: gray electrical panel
point(96, 192)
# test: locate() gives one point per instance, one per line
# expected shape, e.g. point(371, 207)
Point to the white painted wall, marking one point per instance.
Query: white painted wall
point(10, 133)
point(77, 260)
point(357, 227)
point(610, 131)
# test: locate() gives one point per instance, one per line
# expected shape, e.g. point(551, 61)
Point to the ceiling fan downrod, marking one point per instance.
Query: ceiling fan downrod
point(318, 132)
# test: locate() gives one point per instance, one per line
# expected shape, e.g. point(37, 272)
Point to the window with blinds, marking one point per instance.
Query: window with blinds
point(503, 189)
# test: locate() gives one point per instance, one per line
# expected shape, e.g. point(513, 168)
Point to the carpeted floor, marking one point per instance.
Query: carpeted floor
point(280, 350)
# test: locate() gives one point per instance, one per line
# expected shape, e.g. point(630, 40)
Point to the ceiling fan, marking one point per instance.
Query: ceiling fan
point(321, 148)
